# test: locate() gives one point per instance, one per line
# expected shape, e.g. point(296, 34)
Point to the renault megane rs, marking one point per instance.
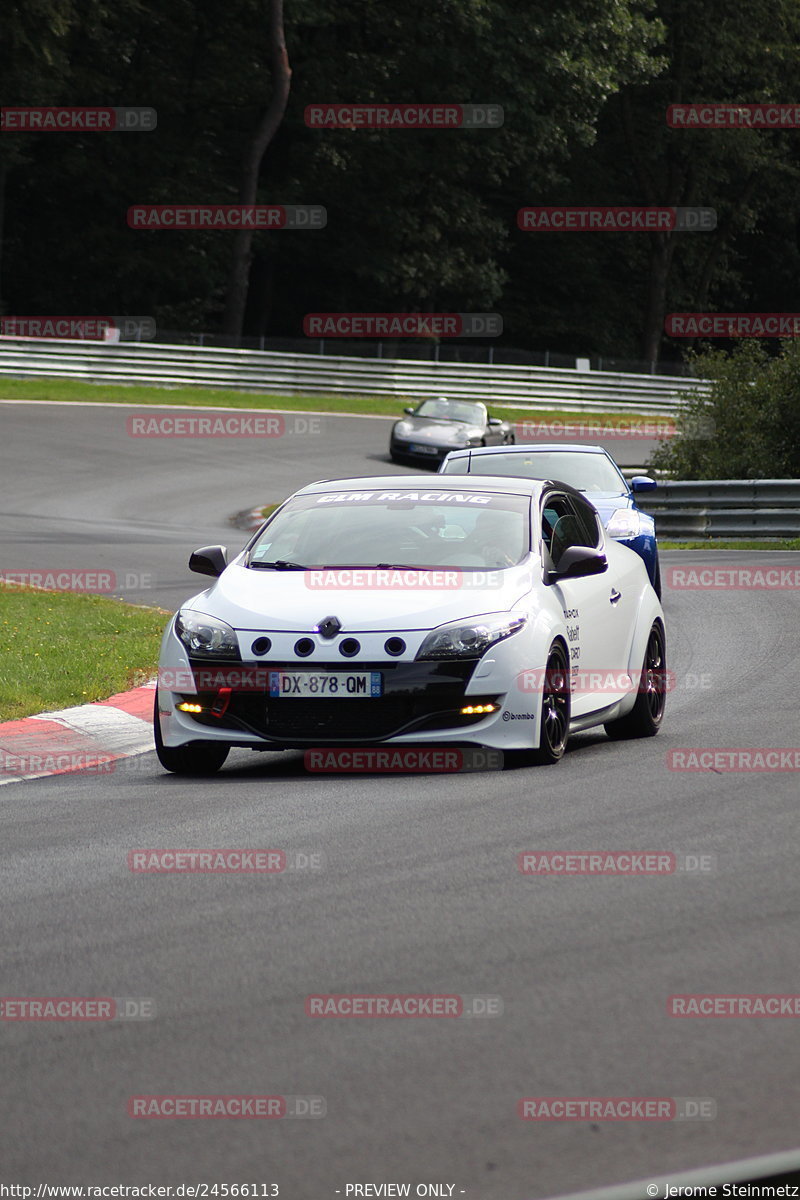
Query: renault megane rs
point(385, 610)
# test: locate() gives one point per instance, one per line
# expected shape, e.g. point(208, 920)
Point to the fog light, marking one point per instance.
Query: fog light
point(184, 706)
point(472, 710)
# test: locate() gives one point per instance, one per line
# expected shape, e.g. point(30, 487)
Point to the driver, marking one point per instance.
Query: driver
point(495, 539)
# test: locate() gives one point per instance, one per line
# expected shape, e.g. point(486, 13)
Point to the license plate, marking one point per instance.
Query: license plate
point(417, 449)
point(334, 685)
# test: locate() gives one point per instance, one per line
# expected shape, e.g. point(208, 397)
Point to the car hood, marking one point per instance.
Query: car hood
point(287, 601)
point(607, 503)
point(426, 429)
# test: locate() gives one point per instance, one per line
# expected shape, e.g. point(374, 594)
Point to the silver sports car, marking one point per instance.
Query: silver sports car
point(435, 427)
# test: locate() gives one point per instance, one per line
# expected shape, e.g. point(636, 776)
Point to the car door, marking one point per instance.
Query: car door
point(585, 601)
point(623, 587)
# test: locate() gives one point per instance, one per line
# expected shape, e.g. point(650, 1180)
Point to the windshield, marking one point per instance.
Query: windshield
point(431, 528)
point(585, 472)
point(452, 410)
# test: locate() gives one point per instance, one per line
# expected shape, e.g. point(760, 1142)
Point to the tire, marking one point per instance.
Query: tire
point(511, 440)
point(657, 579)
point(644, 719)
point(197, 758)
point(554, 727)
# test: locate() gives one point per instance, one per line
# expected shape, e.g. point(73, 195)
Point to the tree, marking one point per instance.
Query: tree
point(248, 190)
point(427, 219)
point(33, 67)
point(715, 53)
point(748, 427)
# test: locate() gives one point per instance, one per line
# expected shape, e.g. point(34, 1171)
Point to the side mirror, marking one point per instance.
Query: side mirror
point(577, 561)
point(410, 410)
point(495, 421)
point(643, 483)
point(209, 560)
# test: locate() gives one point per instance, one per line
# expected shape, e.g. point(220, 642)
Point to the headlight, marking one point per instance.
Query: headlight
point(206, 637)
point(470, 639)
point(624, 523)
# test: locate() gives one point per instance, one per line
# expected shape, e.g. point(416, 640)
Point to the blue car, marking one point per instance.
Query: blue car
point(591, 470)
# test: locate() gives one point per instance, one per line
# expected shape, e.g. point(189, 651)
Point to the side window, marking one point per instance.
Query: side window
point(457, 466)
point(588, 521)
point(559, 524)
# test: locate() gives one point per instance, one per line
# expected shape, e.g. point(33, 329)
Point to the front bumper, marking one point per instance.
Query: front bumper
point(413, 712)
point(432, 454)
point(421, 701)
point(418, 698)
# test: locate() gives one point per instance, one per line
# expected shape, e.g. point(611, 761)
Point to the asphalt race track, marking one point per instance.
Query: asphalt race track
point(75, 484)
point(419, 892)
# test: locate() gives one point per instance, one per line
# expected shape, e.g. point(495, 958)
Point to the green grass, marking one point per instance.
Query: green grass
point(60, 648)
point(734, 544)
point(102, 393)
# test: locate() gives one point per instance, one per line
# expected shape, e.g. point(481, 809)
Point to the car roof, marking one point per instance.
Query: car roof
point(528, 447)
point(513, 484)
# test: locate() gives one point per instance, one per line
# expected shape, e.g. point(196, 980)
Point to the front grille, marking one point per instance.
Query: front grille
point(417, 697)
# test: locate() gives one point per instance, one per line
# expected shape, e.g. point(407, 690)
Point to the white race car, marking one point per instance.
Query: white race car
point(481, 611)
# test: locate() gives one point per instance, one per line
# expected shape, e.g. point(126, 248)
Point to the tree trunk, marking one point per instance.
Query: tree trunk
point(671, 191)
point(660, 263)
point(248, 189)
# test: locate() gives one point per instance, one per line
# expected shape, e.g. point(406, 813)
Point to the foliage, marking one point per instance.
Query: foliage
point(416, 220)
point(749, 425)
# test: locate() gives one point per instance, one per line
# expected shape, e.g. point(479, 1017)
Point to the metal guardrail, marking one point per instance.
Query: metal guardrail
point(443, 350)
point(729, 508)
point(286, 374)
